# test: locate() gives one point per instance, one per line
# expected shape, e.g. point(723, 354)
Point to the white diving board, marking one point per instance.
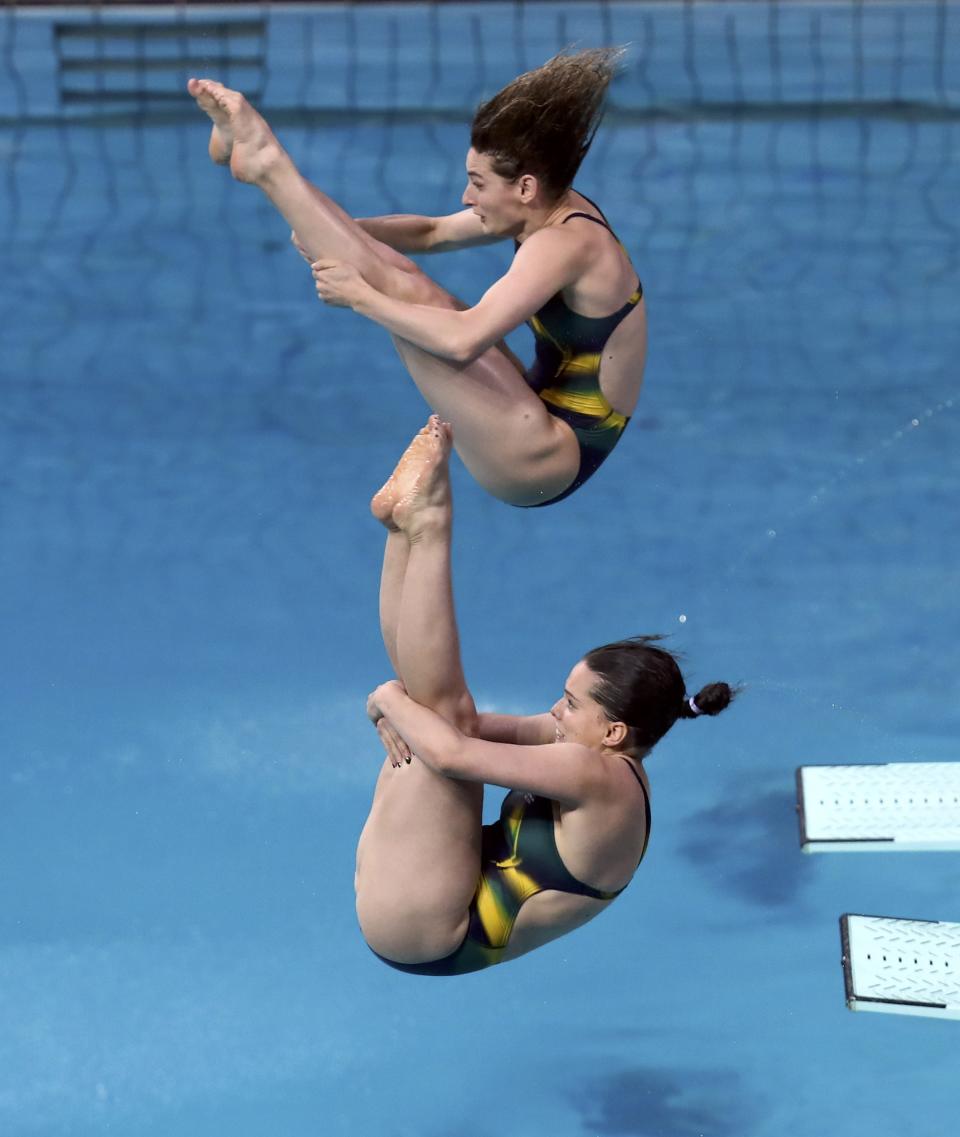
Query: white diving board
point(901, 967)
point(892, 807)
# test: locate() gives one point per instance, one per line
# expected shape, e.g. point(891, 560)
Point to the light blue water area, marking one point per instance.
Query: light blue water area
point(188, 578)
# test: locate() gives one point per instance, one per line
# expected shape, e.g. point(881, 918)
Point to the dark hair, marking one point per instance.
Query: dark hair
point(544, 121)
point(641, 684)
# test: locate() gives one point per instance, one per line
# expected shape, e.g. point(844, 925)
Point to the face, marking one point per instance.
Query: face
point(495, 200)
point(579, 717)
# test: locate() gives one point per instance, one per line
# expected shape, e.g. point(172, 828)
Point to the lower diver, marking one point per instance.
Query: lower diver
point(438, 892)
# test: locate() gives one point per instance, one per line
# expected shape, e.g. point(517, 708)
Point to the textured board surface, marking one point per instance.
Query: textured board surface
point(885, 807)
point(906, 967)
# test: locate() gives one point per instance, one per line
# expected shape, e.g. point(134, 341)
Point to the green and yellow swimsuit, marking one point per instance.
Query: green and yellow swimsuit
point(566, 374)
point(518, 859)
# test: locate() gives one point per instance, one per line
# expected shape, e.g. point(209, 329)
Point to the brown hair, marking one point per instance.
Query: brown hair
point(640, 683)
point(544, 121)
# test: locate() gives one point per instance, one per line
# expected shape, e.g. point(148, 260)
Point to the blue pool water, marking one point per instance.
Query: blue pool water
point(188, 577)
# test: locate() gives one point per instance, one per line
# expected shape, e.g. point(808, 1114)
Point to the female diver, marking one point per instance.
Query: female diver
point(530, 438)
point(438, 893)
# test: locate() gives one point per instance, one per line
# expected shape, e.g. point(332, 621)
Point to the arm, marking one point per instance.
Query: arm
point(520, 730)
point(547, 261)
point(412, 233)
point(565, 771)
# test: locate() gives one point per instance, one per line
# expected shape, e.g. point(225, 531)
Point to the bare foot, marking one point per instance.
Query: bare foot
point(420, 482)
point(240, 135)
point(383, 501)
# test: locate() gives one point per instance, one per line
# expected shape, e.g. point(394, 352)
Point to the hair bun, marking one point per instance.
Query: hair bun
point(709, 700)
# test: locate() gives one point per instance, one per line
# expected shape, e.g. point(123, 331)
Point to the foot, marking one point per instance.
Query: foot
point(420, 485)
point(240, 135)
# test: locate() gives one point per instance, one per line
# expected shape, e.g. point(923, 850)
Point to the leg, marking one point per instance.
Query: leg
point(395, 557)
point(507, 439)
point(396, 554)
point(504, 434)
point(419, 855)
point(242, 139)
point(417, 497)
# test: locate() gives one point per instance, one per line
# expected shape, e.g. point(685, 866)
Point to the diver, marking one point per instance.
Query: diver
point(438, 892)
point(530, 436)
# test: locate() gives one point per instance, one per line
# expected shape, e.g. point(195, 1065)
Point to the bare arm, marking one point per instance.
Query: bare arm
point(564, 771)
point(546, 262)
point(413, 233)
point(520, 730)
point(405, 232)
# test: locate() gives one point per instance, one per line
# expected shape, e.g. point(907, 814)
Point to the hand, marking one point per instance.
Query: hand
point(374, 713)
point(337, 283)
point(397, 750)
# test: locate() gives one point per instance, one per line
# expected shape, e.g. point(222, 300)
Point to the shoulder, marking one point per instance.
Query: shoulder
point(610, 791)
point(558, 236)
point(555, 248)
point(598, 773)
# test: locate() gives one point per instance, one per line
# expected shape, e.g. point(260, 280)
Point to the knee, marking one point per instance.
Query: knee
point(414, 286)
point(464, 715)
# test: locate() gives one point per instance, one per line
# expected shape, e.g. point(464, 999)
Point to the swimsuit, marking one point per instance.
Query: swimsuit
point(566, 373)
point(518, 859)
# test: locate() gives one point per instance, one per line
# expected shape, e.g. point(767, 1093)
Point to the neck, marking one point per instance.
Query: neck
point(544, 215)
point(632, 755)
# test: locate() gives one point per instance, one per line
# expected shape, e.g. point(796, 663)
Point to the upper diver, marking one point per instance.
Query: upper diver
point(529, 436)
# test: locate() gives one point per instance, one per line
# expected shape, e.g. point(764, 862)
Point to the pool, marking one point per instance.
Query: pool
point(188, 574)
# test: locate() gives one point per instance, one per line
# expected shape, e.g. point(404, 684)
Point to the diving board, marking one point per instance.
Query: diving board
point(892, 807)
point(901, 967)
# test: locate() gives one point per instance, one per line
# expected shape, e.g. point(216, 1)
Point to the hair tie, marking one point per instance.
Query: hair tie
point(692, 704)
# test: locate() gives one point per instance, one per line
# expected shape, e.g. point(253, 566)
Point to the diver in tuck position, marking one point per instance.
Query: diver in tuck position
point(530, 437)
point(438, 892)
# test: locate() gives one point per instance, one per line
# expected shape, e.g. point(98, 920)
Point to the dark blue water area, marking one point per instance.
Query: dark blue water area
point(188, 577)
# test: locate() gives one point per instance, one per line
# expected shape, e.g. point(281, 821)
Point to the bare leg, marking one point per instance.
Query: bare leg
point(419, 855)
point(504, 434)
point(396, 553)
point(395, 556)
point(420, 620)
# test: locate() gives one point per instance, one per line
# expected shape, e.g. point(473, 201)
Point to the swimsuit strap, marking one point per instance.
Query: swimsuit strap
point(633, 770)
point(602, 220)
point(594, 205)
point(646, 804)
point(588, 216)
